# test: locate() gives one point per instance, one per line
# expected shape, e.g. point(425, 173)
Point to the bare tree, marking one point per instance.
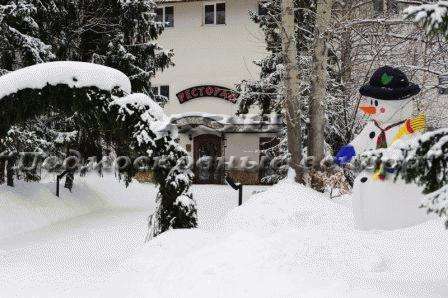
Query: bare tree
point(2, 171)
point(291, 85)
point(316, 136)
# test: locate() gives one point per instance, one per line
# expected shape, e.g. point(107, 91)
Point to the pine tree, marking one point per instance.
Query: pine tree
point(434, 17)
point(127, 123)
point(20, 42)
point(121, 35)
point(39, 138)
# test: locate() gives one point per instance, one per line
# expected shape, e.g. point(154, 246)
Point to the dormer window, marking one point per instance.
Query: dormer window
point(215, 14)
point(165, 15)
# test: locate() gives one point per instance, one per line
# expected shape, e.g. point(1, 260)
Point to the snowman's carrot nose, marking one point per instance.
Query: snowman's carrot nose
point(368, 110)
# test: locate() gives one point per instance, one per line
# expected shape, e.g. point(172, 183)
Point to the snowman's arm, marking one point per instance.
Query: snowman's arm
point(361, 143)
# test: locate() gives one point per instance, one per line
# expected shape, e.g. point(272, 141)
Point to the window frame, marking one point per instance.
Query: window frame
point(215, 14)
point(159, 89)
point(163, 8)
point(167, 89)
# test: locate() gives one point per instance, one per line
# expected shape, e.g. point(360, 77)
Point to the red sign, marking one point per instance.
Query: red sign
point(207, 91)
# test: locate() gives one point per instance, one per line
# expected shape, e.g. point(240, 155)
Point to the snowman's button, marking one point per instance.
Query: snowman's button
point(364, 179)
point(372, 134)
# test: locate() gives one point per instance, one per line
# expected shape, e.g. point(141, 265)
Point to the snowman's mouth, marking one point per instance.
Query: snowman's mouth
point(368, 110)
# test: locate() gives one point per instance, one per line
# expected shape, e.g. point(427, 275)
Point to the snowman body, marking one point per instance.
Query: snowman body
point(385, 204)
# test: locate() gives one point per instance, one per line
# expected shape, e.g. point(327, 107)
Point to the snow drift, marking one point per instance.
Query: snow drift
point(31, 206)
point(289, 242)
point(73, 74)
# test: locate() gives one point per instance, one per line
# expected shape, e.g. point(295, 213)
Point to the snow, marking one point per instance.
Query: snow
point(287, 241)
point(141, 101)
point(227, 119)
point(151, 114)
point(432, 14)
point(374, 208)
point(30, 206)
point(73, 74)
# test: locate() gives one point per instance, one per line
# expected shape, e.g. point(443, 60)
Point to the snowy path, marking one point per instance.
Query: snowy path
point(74, 257)
point(82, 251)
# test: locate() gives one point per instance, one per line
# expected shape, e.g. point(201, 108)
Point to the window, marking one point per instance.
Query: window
point(161, 92)
point(209, 14)
point(215, 14)
point(169, 16)
point(165, 15)
point(165, 91)
point(262, 10)
point(159, 15)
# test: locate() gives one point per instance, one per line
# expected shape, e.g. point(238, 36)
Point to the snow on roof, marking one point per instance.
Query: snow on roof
point(231, 119)
point(175, 1)
point(226, 123)
point(74, 74)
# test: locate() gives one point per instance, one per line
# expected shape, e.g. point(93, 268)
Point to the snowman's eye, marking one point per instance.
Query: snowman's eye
point(371, 102)
point(376, 103)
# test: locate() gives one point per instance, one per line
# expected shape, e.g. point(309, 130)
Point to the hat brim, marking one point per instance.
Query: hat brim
point(388, 93)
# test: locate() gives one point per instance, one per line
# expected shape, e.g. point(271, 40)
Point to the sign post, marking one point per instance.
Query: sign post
point(236, 186)
point(58, 180)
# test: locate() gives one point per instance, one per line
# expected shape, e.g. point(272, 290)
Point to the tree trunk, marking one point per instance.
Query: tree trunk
point(10, 171)
point(319, 83)
point(69, 178)
point(346, 71)
point(2, 170)
point(291, 83)
point(316, 136)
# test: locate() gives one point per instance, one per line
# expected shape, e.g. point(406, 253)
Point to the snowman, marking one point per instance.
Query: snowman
point(378, 201)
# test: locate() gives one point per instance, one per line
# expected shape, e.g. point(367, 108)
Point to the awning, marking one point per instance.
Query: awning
point(229, 124)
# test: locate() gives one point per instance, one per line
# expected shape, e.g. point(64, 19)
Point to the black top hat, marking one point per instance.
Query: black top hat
point(388, 83)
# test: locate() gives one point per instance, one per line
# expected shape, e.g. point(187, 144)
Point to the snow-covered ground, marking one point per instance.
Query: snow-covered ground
point(30, 206)
point(285, 242)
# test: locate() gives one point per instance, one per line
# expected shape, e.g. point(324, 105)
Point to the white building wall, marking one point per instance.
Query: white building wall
point(210, 54)
point(184, 140)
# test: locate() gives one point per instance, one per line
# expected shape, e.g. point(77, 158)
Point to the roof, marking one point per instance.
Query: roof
point(225, 123)
point(176, 1)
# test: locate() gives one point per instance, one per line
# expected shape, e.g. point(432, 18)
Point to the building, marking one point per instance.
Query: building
point(215, 44)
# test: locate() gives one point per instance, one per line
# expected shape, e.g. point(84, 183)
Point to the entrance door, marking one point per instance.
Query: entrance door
point(207, 148)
